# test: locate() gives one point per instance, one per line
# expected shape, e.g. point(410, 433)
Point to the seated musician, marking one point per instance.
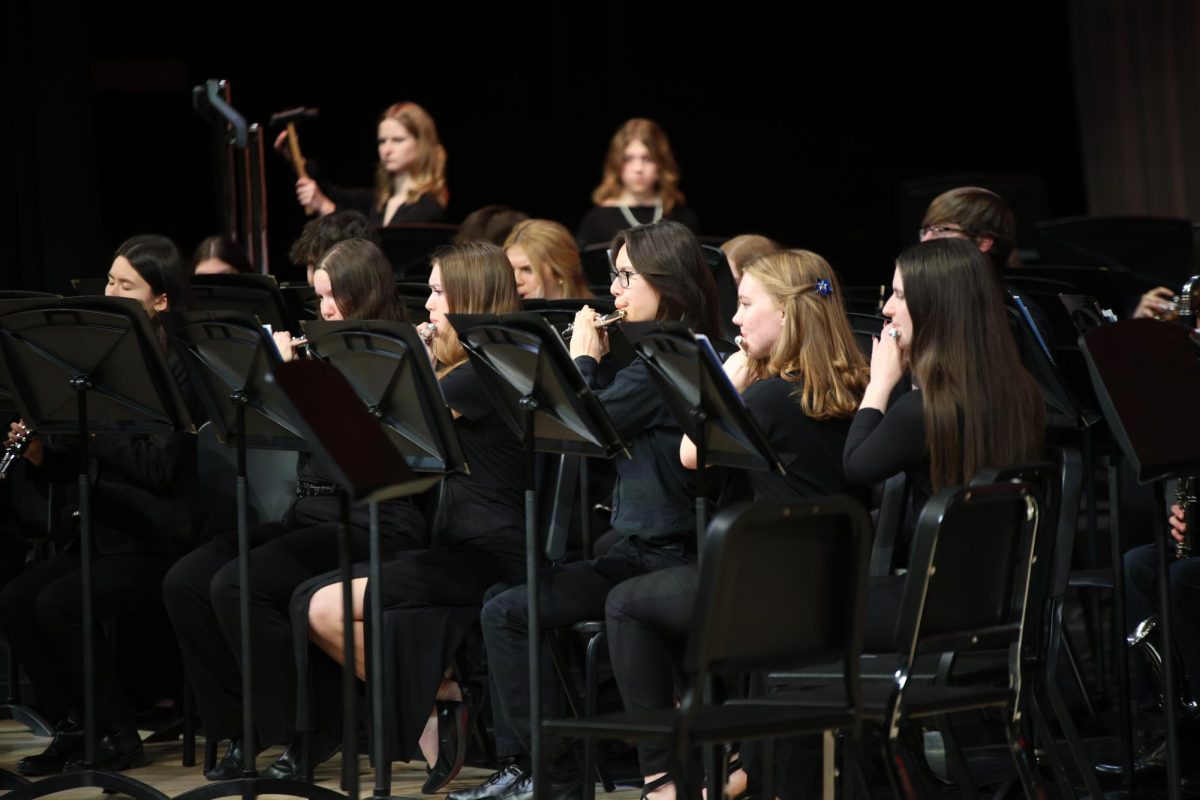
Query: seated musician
point(972, 405)
point(353, 281)
point(545, 261)
point(432, 597)
point(141, 525)
point(802, 376)
point(659, 274)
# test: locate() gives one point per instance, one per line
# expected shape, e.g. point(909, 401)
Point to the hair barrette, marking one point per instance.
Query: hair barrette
point(824, 288)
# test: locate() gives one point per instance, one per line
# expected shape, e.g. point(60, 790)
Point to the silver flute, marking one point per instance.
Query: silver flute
point(607, 319)
point(427, 331)
point(13, 452)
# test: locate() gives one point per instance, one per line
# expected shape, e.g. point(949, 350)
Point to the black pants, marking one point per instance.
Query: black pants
point(202, 598)
point(572, 593)
point(1141, 600)
point(41, 613)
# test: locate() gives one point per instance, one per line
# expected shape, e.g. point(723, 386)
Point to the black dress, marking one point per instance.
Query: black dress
point(601, 223)
point(424, 209)
point(432, 597)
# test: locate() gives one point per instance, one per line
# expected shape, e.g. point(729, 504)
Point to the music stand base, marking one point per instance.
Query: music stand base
point(11, 780)
point(254, 787)
point(113, 782)
point(37, 724)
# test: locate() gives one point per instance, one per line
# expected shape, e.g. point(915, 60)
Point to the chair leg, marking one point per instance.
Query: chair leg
point(914, 744)
point(1058, 707)
point(1076, 675)
point(189, 727)
point(591, 701)
point(956, 762)
point(1028, 777)
point(1050, 746)
point(898, 772)
point(210, 753)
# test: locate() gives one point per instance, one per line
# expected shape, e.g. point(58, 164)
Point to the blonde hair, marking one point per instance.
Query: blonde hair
point(648, 132)
point(476, 279)
point(428, 172)
point(816, 346)
point(552, 252)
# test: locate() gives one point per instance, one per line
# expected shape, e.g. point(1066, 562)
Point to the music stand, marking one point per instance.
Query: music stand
point(258, 295)
point(386, 365)
point(536, 388)
point(229, 359)
point(84, 365)
point(1146, 375)
point(704, 403)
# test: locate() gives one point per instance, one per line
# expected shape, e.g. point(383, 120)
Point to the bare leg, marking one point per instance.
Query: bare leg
point(448, 690)
point(325, 627)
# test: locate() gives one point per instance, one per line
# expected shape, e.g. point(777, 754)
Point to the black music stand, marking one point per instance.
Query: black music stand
point(245, 293)
point(85, 365)
point(1146, 377)
point(704, 403)
point(535, 386)
point(386, 364)
point(229, 359)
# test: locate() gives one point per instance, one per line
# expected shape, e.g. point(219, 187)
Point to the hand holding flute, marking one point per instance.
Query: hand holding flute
point(587, 336)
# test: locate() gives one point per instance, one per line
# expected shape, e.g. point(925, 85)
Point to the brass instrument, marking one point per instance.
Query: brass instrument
point(1144, 641)
point(601, 322)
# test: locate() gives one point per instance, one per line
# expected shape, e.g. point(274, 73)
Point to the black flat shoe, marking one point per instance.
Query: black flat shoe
point(117, 749)
point(287, 766)
point(496, 785)
point(454, 720)
point(66, 745)
point(231, 765)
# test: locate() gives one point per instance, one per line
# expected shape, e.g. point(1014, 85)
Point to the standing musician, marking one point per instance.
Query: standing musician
point(410, 181)
point(353, 281)
point(141, 525)
point(802, 375)
point(432, 597)
point(972, 405)
point(659, 274)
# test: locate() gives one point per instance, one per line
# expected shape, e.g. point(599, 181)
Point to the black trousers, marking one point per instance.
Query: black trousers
point(41, 614)
point(201, 592)
point(571, 593)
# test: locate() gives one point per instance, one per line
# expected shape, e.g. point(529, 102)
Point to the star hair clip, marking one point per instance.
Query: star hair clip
point(824, 288)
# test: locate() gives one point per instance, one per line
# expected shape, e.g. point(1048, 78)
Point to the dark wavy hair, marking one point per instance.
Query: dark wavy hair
point(981, 407)
point(669, 257)
point(157, 260)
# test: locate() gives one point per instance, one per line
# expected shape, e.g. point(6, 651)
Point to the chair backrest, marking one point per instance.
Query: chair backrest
point(893, 510)
point(866, 327)
point(970, 569)
point(781, 586)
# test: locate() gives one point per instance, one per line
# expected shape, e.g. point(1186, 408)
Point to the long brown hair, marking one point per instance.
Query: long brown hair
point(668, 256)
point(552, 251)
point(816, 346)
point(649, 133)
point(476, 279)
point(428, 172)
point(981, 407)
point(362, 281)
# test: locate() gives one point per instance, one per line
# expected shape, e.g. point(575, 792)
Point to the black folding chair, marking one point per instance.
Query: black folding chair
point(808, 558)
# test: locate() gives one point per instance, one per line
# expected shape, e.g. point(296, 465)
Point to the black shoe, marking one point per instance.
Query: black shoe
point(454, 720)
point(523, 789)
point(67, 745)
point(231, 765)
point(119, 748)
point(1147, 764)
point(496, 785)
point(287, 766)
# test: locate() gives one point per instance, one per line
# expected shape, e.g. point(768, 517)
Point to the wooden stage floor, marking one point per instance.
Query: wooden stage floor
point(164, 772)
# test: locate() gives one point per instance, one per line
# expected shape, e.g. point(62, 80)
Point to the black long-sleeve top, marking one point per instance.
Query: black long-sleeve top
point(425, 208)
point(653, 495)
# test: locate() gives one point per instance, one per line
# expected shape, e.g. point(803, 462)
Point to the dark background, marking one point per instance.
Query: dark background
point(798, 127)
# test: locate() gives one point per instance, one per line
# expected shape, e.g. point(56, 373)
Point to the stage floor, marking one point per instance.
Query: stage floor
point(164, 772)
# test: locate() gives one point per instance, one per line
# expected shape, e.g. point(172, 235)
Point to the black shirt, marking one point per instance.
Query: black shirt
point(881, 445)
point(425, 208)
point(487, 507)
point(602, 223)
point(810, 449)
point(653, 496)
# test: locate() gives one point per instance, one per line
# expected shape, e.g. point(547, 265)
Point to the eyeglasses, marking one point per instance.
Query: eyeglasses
point(622, 276)
point(941, 232)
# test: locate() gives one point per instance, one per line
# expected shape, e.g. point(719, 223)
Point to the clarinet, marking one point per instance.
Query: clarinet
point(13, 452)
point(1188, 303)
point(1185, 498)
